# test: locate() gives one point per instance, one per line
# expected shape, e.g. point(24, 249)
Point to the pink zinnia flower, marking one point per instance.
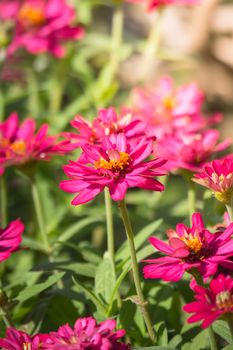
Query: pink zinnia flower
point(87, 334)
point(165, 108)
point(106, 123)
point(42, 25)
point(8, 9)
point(218, 177)
point(213, 302)
point(191, 248)
point(190, 151)
point(154, 4)
point(18, 340)
point(10, 238)
point(116, 164)
point(19, 144)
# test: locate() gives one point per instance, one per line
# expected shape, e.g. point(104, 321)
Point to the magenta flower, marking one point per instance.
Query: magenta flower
point(8, 9)
point(218, 177)
point(18, 340)
point(213, 302)
point(19, 144)
point(154, 4)
point(191, 248)
point(10, 238)
point(116, 164)
point(190, 151)
point(86, 334)
point(106, 123)
point(42, 26)
point(166, 109)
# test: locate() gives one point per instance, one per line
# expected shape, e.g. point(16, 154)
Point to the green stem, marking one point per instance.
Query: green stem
point(117, 33)
point(152, 44)
point(191, 199)
point(230, 325)
point(41, 224)
point(33, 94)
point(3, 202)
point(212, 339)
point(110, 71)
point(6, 318)
point(230, 211)
point(57, 85)
point(110, 235)
point(4, 302)
point(140, 298)
point(109, 220)
point(39, 216)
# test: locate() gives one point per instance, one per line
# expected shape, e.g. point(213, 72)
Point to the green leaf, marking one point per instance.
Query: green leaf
point(91, 296)
point(162, 334)
point(201, 341)
point(77, 227)
point(140, 238)
point(228, 347)
point(105, 279)
point(84, 269)
point(221, 328)
point(175, 341)
point(35, 289)
point(116, 287)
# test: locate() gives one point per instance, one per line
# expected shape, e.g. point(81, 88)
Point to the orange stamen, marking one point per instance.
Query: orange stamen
point(193, 243)
point(224, 300)
point(26, 346)
point(18, 147)
point(118, 163)
point(168, 102)
point(31, 16)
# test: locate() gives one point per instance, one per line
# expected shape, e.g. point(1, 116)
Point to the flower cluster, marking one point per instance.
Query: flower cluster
point(191, 249)
point(175, 117)
point(86, 334)
point(106, 123)
point(41, 26)
point(20, 144)
point(218, 177)
point(213, 302)
point(117, 164)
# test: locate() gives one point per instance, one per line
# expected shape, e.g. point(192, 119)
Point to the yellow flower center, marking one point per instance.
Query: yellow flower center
point(224, 300)
point(26, 346)
point(169, 102)
point(224, 196)
point(18, 147)
point(31, 16)
point(118, 161)
point(194, 244)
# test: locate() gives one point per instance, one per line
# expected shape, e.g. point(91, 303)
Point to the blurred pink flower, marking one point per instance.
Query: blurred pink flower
point(213, 302)
point(154, 4)
point(165, 108)
point(218, 177)
point(10, 239)
point(42, 26)
point(116, 164)
point(190, 150)
point(106, 123)
point(8, 9)
point(18, 340)
point(19, 144)
point(86, 334)
point(191, 248)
